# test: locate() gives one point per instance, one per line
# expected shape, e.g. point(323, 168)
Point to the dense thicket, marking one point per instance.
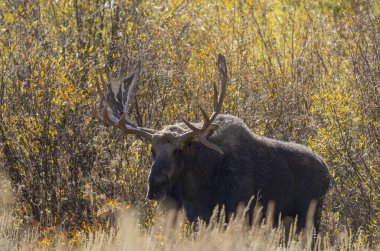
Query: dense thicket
point(304, 71)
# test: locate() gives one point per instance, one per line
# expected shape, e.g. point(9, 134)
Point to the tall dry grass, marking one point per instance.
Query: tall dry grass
point(169, 234)
point(234, 236)
point(171, 231)
point(6, 238)
point(12, 235)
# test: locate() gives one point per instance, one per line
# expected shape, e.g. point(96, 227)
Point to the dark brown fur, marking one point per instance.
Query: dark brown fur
point(198, 178)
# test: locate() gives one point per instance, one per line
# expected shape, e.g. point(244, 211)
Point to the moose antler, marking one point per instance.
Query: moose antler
point(115, 98)
point(208, 126)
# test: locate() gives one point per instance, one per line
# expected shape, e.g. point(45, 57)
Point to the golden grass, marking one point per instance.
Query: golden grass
point(169, 232)
point(235, 236)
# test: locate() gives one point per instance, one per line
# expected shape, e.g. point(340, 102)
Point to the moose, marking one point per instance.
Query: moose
point(219, 162)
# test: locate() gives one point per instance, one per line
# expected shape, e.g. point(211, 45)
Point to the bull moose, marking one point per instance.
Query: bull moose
point(220, 161)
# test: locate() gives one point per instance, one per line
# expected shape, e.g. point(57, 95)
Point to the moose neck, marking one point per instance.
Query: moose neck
point(200, 169)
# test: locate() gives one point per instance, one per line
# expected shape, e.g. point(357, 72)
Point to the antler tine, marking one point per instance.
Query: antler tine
point(112, 105)
point(136, 72)
point(123, 124)
point(215, 96)
point(101, 94)
point(222, 67)
point(218, 99)
point(192, 127)
point(208, 126)
point(205, 116)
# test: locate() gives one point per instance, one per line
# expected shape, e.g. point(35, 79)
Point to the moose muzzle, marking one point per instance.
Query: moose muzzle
point(158, 188)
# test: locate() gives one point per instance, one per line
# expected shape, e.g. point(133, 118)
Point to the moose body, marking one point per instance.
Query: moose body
point(287, 174)
point(220, 162)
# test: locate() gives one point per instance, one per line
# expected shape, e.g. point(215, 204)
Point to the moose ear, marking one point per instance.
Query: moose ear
point(204, 139)
point(211, 145)
point(191, 145)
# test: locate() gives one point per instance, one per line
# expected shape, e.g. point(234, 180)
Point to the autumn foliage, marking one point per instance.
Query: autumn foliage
point(303, 71)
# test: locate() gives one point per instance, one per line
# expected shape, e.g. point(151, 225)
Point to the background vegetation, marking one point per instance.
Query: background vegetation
point(304, 71)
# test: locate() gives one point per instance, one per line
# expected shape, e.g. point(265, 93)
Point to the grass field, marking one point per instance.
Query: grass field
point(168, 233)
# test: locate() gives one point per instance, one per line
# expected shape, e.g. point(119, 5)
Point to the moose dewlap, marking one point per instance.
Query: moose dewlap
point(220, 161)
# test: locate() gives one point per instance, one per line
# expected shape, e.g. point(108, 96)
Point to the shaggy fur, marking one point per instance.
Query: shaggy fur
point(199, 179)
